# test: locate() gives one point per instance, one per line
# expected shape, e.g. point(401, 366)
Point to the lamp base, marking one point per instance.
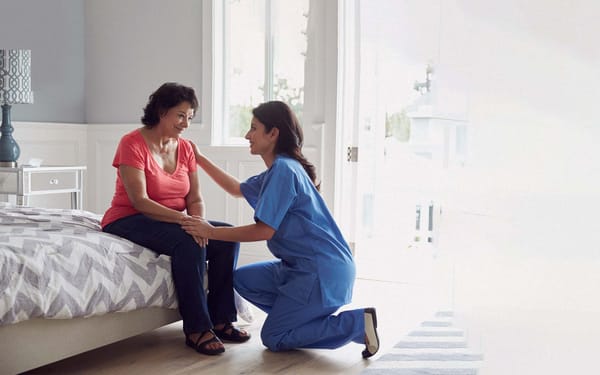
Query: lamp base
point(10, 164)
point(9, 149)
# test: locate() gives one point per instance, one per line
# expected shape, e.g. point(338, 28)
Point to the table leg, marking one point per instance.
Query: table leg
point(22, 200)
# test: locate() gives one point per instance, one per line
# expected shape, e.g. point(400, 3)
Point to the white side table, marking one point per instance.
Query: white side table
point(25, 181)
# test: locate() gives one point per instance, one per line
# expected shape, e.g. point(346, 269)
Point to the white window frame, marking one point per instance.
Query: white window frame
point(214, 99)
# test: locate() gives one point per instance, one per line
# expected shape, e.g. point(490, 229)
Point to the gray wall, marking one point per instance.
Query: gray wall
point(96, 61)
point(132, 46)
point(54, 31)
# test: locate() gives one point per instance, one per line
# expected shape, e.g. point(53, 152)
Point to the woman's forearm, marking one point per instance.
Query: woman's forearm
point(157, 211)
point(195, 208)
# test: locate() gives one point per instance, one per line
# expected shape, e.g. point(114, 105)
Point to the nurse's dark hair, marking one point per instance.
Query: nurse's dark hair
point(167, 96)
point(277, 114)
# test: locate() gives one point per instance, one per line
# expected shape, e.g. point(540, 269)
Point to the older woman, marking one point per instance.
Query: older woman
point(156, 188)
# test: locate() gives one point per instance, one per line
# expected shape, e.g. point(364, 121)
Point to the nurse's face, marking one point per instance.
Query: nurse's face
point(262, 142)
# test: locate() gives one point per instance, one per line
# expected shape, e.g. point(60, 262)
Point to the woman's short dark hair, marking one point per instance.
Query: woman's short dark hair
point(167, 96)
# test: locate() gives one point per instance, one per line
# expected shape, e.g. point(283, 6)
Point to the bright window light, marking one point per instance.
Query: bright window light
point(263, 59)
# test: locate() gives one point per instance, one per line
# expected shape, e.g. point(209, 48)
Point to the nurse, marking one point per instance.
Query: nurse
point(313, 273)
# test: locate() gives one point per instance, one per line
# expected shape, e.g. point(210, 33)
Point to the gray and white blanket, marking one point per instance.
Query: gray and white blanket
point(58, 264)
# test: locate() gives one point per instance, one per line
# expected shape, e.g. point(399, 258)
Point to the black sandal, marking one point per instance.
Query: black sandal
point(371, 337)
point(202, 347)
point(234, 336)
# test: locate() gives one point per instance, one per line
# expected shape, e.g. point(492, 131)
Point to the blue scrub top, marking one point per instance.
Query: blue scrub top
point(307, 239)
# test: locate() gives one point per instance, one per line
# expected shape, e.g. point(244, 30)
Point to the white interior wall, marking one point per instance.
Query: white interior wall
point(53, 31)
point(132, 47)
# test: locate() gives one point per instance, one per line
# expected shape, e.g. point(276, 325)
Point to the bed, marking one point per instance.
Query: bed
point(66, 287)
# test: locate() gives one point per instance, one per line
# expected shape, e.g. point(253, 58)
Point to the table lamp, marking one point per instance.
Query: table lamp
point(15, 88)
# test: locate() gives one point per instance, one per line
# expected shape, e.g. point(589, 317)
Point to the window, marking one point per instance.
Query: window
point(263, 53)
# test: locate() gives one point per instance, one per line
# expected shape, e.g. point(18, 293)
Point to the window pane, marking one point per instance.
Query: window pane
point(264, 58)
point(244, 63)
point(289, 49)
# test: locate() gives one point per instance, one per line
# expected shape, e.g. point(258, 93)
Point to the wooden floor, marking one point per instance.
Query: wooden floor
point(400, 306)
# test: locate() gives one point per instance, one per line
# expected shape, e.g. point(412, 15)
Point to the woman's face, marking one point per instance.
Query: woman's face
point(261, 141)
point(177, 119)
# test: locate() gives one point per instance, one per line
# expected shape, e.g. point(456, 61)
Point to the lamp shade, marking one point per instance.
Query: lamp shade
point(15, 76)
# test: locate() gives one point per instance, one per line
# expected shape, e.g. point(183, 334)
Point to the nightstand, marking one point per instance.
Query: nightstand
point(25, 181)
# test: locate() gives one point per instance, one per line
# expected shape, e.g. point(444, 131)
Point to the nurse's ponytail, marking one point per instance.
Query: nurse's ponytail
point(277, 114)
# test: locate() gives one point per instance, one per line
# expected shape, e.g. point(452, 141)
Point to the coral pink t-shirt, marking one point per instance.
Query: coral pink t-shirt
point(168, 189)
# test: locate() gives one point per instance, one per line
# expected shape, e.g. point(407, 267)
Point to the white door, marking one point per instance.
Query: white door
point(385, 181)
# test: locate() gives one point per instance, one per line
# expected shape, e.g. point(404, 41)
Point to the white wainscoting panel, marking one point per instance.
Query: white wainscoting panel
point(102, 143)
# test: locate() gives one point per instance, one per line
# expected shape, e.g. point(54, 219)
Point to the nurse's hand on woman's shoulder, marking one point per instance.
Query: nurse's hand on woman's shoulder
point(197, 154)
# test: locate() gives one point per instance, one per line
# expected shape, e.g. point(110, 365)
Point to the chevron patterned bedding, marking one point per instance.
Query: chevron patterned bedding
point(58, 264)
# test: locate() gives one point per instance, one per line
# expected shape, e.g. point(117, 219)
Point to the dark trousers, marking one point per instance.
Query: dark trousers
point(200, 311)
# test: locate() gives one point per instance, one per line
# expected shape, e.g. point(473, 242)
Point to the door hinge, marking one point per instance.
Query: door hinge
point(352, 154)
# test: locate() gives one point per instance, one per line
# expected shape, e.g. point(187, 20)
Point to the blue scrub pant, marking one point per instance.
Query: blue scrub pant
point(291, 324)
point(199, 311)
